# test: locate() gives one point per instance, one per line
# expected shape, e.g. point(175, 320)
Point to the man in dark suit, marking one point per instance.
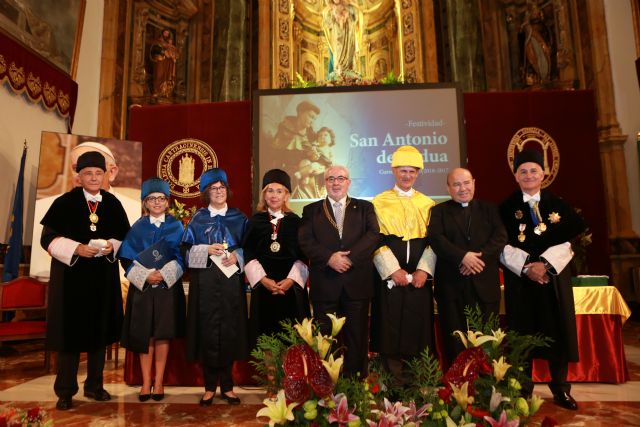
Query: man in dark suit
point(339, 235)
point(537, 280)
point(467, 236)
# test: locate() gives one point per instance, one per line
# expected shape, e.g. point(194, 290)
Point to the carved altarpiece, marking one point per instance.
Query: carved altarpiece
point(387, 40)
point(151, 20)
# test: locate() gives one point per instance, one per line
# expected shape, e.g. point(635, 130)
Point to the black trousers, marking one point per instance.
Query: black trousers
point(354, 334)
point(214, 374)
point(558, 369)
point(66, 384)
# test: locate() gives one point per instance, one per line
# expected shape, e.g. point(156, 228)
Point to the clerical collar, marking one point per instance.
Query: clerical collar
point(156, 219)
point(464, 204)
point(213, 211)
point(92, 198)
point(526, 197)
point(402, 192)
point(342, 201)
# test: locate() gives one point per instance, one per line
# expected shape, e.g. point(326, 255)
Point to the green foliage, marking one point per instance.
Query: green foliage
point(426, 377)
point(391, 79)
point(269, 353)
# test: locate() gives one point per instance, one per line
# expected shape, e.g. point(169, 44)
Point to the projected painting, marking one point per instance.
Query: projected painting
point(304, 132)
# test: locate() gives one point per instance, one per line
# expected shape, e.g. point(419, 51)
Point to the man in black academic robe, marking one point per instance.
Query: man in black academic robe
point(402, 307)
point(82, 232)
point(467, 236)
point(538, 293)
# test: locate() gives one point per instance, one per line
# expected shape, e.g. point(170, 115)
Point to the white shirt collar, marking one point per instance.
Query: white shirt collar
point(156, 220)
point(402, 192)
point(276, 216)
point(342, 201)
point(526, 197)
point(91, 197)
point(213, 211)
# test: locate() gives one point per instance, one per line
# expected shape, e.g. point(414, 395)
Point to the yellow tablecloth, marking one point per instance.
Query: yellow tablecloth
point(600, 300)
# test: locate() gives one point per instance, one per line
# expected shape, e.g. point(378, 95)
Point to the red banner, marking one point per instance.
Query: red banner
point(179, 142)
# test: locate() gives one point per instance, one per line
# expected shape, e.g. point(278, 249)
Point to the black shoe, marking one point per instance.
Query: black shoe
point(64, 403)
point(157, 397)
point(231, 400)
point(144, 397)
point(207, 402)
point(565, 400)
point(101, 395)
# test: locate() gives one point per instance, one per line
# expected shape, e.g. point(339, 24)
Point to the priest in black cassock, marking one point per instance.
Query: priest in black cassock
point(82, 231)
point(538, 293)
point(467, 236)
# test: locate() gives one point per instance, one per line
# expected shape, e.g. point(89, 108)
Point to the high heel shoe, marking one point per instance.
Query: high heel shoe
point(231, 400)
point(207, 402)
point(144, 397)
point(157, 396)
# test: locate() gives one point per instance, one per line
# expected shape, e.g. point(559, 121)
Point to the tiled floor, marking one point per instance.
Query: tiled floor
point(23, 384)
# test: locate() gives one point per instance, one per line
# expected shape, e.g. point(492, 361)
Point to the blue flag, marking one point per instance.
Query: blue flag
point(14, 251)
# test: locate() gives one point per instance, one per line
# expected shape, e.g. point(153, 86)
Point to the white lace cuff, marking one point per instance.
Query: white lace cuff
point(299, 273)
point(138, 274)
point(62, 249)
point(558, 256)
point(514, 259)
point(255, 272)
point(427, 261)
point(198, 256)
point(171, 272)
point(116, 246)
point(385, 262)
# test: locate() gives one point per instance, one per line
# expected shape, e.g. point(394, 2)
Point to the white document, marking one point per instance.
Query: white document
point(228, 271)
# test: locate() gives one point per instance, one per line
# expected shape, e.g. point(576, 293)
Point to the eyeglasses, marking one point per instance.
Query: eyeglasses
point(219, 189)
point(158, 199)
point(339, 179)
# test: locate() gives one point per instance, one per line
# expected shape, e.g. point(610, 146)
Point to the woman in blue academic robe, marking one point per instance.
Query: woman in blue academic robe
point(217, 312)
point(155, 310)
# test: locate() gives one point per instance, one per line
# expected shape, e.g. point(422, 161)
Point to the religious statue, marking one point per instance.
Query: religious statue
point(341, 27)
point(536, 45)
point(164, 55)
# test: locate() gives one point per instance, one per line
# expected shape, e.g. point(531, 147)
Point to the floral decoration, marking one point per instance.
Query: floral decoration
point(181, 212)
point(346, 78)
point(34, 417)
point(300, 369)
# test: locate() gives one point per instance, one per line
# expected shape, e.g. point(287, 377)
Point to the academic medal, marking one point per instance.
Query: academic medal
point(93, 216)
point(274, 247)
point(521, 236)
point(554, 217)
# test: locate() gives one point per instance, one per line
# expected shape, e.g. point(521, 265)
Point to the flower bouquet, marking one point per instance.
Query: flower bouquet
point(34, 417)
point(181, 212)
point(301, 373)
